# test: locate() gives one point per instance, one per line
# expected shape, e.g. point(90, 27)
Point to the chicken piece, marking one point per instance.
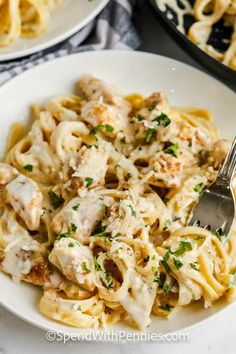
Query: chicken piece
point(87, 159)
point(7, 173)
point(153, 115)
point(74, 260)
point(24, 260)
point(10, 227)
point(79, 217)
point(123, 219)
point(106, 107)
point(167, 170)
point(157, 103)
point(108, 119)
point(26, 199)
point(139, 301)
point(197, 139)
point(95, 89)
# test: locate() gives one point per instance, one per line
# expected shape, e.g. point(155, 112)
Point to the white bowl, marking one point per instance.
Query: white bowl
point(130, 72)
point(66, 19)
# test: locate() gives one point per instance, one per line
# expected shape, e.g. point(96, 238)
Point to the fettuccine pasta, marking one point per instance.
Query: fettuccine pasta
point(94, 203)
point(23, 18)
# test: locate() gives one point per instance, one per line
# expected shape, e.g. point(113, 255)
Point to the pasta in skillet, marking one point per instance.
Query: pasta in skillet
point(206, 14)
point(23, 18)
point(94, 204)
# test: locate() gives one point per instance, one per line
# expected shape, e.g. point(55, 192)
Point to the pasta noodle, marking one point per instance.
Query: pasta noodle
point(207, 13)
point(23, 18)
point(94, 203)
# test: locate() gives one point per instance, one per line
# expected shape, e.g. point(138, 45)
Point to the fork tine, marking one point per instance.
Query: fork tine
point(223, 225)
point(196, 223)
point(207, 227)
point(228, 166)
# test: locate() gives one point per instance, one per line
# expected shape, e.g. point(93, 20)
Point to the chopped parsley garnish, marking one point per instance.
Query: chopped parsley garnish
point(162, 120)
point(153, 257)
point(172, 150)
point(149, 135)
point(85, 268)
point(63, 235)
point(28, 168)
point(129, 175)
point(154, 269)
point(166, 256)
point(97, 265)
point(219, 233)
point(108, 128)
point(109, 280)
point(73, 227)
point(197, 238)
point(163, 284)
point(75, 207)
point(177, 263)
point(90, 146)
point(56, 200)
point(106, 236)
point(194, 266)
point(165, 307)
point(166, 266)
point(133, 212)
point(198, 187)
point(89, 181)
point(118, 234)
point(140, 117)
point(166, 200)
point(123, 140)
point(165, 288)
point(71, 244)
point(183, 246)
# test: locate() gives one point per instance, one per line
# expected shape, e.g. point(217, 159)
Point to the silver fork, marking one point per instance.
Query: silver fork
point(215, 209)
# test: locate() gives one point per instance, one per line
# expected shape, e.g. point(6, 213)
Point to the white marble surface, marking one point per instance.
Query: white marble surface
point(215, 337)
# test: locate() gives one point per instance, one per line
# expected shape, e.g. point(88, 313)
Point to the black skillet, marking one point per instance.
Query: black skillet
point(219, 32)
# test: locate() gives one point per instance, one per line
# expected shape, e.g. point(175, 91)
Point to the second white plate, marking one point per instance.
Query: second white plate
point(66, 19)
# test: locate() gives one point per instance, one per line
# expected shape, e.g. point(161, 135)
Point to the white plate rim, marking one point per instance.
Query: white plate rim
point(173, 62)
point(57, 39)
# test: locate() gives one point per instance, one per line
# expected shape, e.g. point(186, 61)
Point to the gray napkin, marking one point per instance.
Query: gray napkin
point(112, 29)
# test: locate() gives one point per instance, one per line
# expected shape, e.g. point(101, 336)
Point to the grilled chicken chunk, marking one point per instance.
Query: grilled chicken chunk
point(95, 89)
point(26, 199)
point(79, 217)
point(88, 158)
point(21, 258)
point(106, 109)
point(74, 260)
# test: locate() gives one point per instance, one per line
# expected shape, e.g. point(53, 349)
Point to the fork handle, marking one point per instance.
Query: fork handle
point(227, 169)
